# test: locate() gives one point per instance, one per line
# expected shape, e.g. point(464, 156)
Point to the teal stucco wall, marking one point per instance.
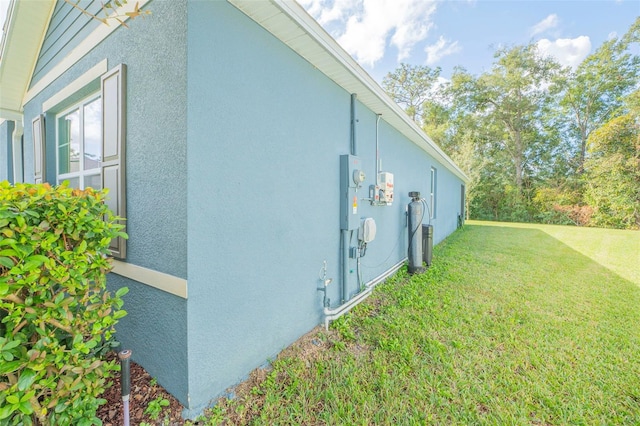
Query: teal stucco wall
point(265, 132)
point(233, 169)
point(154, 50)
point(6, 147)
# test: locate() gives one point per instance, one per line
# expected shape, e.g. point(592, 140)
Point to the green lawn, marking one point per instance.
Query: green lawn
point(513, 324)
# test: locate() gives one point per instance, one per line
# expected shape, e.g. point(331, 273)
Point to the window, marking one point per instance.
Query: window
point(89, 141)
point(79, 144)
point(433, 192)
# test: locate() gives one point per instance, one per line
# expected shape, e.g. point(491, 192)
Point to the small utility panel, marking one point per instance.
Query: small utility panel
point(351, 179)
point(385, 180)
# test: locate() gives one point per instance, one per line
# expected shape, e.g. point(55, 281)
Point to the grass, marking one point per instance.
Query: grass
point(513, 324)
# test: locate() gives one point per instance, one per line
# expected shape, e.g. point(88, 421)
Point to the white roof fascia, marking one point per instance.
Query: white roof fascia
point(291, 24)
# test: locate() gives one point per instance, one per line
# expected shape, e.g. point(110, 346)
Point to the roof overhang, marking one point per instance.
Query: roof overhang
point(24, 32)
point(291, 24)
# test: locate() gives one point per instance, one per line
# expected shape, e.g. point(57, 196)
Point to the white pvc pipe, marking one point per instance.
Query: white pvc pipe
point(333, 314)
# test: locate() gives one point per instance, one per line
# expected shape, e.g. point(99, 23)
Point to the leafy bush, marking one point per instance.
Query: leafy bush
point(613, 173)
point(57, 319)
point(558, 206)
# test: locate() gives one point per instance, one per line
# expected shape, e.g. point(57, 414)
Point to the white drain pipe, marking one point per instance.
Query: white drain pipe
point(335, 313)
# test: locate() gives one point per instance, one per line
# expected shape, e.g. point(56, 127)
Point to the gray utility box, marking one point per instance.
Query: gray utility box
point(427, 244)
point(351, 177)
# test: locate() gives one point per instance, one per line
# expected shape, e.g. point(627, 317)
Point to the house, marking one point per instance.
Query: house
point(244, 147)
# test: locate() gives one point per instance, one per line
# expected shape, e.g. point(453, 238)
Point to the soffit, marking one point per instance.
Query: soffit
point(25, 29)
point(291, 24)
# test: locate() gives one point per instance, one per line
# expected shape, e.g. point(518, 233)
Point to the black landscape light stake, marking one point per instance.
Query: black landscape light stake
point(125, 382)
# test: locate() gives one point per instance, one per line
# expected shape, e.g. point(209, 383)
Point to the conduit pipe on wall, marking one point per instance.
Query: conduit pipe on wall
point(333, 314)
point(378, 167)
point(345, 264)
point(344, 233)
point(354, 120)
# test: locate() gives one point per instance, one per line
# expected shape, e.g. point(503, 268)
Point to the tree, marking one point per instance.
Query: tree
point(109, 10)
point(510, 99)
point(596, 89)
point(613, 169)
point(411, 86)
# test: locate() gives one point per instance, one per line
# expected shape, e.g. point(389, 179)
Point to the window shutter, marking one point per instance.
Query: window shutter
point(37, 126)
point(113, 87)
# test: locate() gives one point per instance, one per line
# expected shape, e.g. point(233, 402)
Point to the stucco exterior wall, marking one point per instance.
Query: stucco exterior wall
point(233, 178)
point(6, 158)
point(266, 130)
point(154, 51)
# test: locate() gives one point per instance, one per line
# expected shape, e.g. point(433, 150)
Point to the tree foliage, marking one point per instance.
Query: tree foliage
point(510, 99)
point(538, 142)
point(613, 172)
point(411, 86)
point(109, 11)
point(596, 90)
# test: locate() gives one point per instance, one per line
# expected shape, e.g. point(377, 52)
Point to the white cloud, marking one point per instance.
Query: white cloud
point(612, 35)
point(568, 52)
point(547, 23)
point(328, 11)
point(440, 49)
point(4, 6)
point(366, 28)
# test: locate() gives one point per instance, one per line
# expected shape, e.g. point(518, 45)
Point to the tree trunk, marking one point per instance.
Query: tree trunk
point(518, 159)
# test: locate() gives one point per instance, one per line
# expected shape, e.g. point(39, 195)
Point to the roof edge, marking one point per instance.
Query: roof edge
point(354, 75)
point(25, 29)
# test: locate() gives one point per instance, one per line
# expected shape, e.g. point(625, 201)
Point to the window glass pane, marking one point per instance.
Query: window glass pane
point(74, 182)
point(93, 181)
point(92, 134)
point(69, 143)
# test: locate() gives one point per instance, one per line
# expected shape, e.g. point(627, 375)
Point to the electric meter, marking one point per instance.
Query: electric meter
point(385, 180)
point(358, 177)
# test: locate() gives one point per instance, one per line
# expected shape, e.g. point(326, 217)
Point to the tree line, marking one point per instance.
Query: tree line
point(539, 142)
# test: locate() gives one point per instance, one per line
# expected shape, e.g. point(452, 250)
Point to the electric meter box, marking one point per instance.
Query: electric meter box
point(385, 180)
point(351, 179)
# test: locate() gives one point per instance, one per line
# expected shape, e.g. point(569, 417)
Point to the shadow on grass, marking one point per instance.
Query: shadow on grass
point(556, 330)
point(615, 249)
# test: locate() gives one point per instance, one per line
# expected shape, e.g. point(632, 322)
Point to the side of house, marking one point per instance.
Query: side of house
point(87, 78)
point(228, 134)
point(6, 150)
point(267, 127)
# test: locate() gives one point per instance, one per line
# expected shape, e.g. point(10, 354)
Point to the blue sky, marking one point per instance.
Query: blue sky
point(380, 34)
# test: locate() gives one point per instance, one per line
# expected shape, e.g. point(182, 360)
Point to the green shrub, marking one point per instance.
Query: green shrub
point(57, 319)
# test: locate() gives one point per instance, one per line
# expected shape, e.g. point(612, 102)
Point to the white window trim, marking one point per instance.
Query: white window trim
point(76, 85)
point(81, 173)
point(433, 192)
